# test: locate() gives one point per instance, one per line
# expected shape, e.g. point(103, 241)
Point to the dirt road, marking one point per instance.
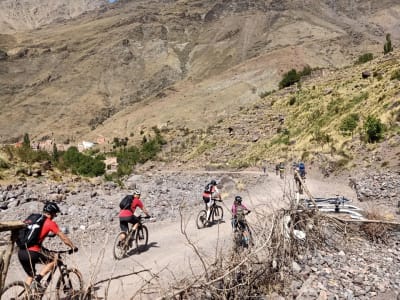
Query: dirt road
point(170, 256)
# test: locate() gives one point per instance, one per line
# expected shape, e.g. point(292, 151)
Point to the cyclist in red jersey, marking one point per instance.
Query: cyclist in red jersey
point(36, 254)
point(128, 215)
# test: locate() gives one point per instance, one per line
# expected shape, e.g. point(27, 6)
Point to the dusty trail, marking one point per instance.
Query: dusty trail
point(169, 256)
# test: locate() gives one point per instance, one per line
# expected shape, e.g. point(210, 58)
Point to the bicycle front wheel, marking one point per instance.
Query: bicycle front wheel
point(218, 213)
point(201, 219)
point(17, 290)
point(142, 237)
point(70, 285)
point(120, 246)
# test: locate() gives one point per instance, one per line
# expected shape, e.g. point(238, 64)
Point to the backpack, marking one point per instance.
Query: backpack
point(126, 202)
point(302, 169)
point(208, 188)
point(29, 236)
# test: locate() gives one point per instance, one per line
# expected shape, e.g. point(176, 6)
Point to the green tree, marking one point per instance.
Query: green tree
point(289, 79)
point(55, 155)
point(27, 142)
point(373, 129)
point(387, 47)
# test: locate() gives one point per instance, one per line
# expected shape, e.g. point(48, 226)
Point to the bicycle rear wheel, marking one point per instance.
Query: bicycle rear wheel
point(142, 237)
point(201, 219)
point(120, 247)
point(70, 285)
point(218, 213)
point(17, 290)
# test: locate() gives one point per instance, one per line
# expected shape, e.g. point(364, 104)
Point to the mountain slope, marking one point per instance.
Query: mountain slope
point(186, 63)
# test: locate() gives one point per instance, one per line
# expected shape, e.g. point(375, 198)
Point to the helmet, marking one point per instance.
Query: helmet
point(238, 199)
point(136, 192)
point(213, 182)
point(51, 208)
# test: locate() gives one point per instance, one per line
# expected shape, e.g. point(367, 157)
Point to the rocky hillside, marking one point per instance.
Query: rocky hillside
point(21, 15)
point(136, 64)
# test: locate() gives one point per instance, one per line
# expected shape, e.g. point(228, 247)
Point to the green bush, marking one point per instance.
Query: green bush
point(28, 155)
point(130, 156)
point(306, 71)
point(373, 129)
point(387, 47)
point(289, 79)
point(364, 58)
point(4, 164)
point(292, 100)
point(395, 75)
point(349, 124)
point(82, 164)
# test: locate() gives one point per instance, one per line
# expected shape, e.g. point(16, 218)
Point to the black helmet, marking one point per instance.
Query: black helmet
point(51, 208)
point(238, 199)
point(213, 182)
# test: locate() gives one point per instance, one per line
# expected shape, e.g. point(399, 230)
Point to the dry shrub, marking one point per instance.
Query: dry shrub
point(376, 232)
point(264, 268)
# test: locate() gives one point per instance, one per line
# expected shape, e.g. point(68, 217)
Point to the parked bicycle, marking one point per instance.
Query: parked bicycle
point(242, 235)
point(69, 285)
point(140, 236)
point(216, 215)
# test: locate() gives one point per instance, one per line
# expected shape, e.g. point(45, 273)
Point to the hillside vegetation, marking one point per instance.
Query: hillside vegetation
point(334, 117)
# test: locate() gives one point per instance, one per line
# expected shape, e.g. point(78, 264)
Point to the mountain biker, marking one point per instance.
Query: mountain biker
point(36, 254)
point(238, 212)
point(128, 215)
point(210, 194)
point(281, 169)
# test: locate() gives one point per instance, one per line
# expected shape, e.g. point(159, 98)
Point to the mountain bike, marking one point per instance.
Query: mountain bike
point(68, 286)
point(140, 236)
point(241, 240)
point(216, 215)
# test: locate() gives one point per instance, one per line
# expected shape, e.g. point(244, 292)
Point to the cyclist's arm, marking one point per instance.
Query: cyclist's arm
point(146, 212)
point(65, 239)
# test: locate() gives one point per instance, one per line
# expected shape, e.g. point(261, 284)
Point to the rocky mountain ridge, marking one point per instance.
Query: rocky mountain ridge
point(108, 71)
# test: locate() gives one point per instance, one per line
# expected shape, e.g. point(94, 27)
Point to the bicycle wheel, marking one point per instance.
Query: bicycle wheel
point(17, 290)
point(142, 237)
point(120, 248)
point(201, 219)
point(70, 285)
point(218, 213)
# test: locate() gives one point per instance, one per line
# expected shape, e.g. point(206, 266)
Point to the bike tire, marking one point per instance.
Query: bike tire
point(120, 249)
point(17, 290)
point(70, 285)
point(218, 214)
point(142, 238)
point(201, 219)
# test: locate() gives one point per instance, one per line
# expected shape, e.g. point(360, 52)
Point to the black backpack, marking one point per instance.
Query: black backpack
point(29, 236)
point(208, 188)
point(126, 202)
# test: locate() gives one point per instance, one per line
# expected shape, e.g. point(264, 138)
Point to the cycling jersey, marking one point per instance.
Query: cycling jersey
point(48, 226)
point(129, 212)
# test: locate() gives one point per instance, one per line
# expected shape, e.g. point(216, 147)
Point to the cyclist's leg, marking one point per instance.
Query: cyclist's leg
point(49, 261)
point(209, 204)
point(28, 260)
point(123, 224)
point(135, 222)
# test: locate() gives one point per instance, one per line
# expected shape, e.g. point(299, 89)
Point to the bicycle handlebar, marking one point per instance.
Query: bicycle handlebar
point(69, 251)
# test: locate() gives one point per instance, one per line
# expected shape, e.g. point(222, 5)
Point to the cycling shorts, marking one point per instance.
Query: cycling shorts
point(29, 259)
point(123, 222)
